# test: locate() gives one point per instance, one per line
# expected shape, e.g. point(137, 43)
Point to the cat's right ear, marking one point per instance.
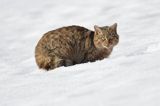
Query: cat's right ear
point(98, 30)
point(114, 27)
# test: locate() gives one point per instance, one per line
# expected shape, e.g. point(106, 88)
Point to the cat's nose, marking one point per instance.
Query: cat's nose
point(117, 37)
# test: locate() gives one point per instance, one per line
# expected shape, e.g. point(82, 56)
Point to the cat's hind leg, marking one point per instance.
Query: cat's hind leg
point(68, 62)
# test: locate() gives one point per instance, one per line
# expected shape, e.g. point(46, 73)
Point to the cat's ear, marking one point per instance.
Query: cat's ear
point(114, 26)
point(98, 30)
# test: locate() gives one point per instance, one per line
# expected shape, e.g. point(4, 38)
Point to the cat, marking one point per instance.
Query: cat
point(72, 45)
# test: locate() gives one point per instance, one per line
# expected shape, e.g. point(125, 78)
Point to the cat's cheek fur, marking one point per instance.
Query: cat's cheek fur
point(101, 44)
point(98, 44)
point(105, 43)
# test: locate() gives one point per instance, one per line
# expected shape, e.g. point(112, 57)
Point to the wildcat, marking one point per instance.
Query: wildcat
point(74, 45)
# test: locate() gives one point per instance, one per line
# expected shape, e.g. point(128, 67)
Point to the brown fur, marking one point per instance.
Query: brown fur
point(74, 45)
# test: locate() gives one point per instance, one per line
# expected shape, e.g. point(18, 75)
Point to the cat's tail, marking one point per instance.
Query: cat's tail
point(42, 61)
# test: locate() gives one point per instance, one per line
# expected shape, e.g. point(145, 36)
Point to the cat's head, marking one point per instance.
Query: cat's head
point(106, 37)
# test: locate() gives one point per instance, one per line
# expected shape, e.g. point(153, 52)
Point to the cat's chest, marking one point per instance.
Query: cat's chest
point(94, 55)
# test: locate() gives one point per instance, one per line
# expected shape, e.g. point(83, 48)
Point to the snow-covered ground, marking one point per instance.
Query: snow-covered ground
point(130, 77)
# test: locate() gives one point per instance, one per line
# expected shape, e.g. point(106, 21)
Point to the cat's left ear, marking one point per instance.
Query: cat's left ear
point(98, 30)
point(114, 26)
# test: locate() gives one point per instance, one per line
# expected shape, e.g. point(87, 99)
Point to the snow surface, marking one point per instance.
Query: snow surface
point(130, 77)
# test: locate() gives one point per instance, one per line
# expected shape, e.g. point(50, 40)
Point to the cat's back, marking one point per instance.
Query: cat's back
point(66, 39)
point(62, 36)
point(67, 31)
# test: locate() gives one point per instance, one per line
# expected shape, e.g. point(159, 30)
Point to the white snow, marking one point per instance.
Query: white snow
point(130, 77)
